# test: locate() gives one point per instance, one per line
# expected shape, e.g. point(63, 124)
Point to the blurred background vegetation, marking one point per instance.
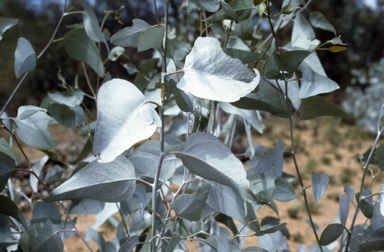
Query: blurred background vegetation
point(359, 70)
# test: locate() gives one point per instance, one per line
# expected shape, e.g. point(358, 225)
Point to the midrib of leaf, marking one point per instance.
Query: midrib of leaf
point(214, 75)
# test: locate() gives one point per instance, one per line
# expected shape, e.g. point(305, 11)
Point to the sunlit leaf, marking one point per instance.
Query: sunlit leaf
point(5, 24)
point(69, 98)
point(313, 83)
point(25, 57)
point(91, 25)
point(109, 182)
point(37, 168)
point(124, 118)
point(206, 156)
point(331, 233)
point(80, 47)
point(319, 185)
point(115, 53)
point(303, 35)
point(211, 74)
point(32, 127)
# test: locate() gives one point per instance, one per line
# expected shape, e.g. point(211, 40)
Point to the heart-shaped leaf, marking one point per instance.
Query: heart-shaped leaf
point(32, 127)
point(208, 157)
point(25, 57)
point(124, 118)
point(319, 185)
point(111, 182)
point(210, 73)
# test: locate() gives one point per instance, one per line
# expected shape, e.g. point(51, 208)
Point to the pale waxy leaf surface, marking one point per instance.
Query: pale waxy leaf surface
point(5, 24)
point(210, 73)
point(110, 182)
point(206, 156)
point(32, 127)
point(41, 237)
point(319, 185)
point(25, 57)
point(284, 191)
point(124, 118)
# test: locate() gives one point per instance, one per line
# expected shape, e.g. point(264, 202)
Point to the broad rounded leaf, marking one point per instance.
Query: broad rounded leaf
point(111, 182)
point(25, 57)
point(80, 47)
point(303, 35)
point(283, 190)
point(210, 73)
point(331, 233)
point(208, 157)
point(32, 127)
point(319, 185)
point(91, 25)
point(151, 38)
point(5, 24)
point(124, 118)
point(69, 98)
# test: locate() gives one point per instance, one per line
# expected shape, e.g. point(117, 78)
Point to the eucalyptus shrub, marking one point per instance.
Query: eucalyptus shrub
point(185, 185)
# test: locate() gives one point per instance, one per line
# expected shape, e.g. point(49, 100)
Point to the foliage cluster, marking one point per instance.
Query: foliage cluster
point(187, 185)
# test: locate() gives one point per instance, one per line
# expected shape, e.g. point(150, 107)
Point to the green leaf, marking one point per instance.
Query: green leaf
point(244, 56)
point(331, 233)
point(7, 167)
point(53, 174)
point(140, 35)
point(239, 10)
point(32, 127)
point(285, 63)
point(42, 237)
point(115, 53)
point(271, 230)
point(267, 98)
point(211, 74)
point(283, 191)
point(316, 106)
point(109, 182)
point(69, 117)
point(209, 5)
point(25, 57)
point(80, 47)
point(313, 83)
point(189, 206)
point(9, 208)
point(151, 38)
point(319, 185)
point(5, 24)
point(318, 20)
point(91, 25)
point(6, 149)
point(204, 155)
point(124, 118)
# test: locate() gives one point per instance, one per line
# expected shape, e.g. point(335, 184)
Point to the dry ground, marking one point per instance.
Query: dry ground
point(324, 145)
